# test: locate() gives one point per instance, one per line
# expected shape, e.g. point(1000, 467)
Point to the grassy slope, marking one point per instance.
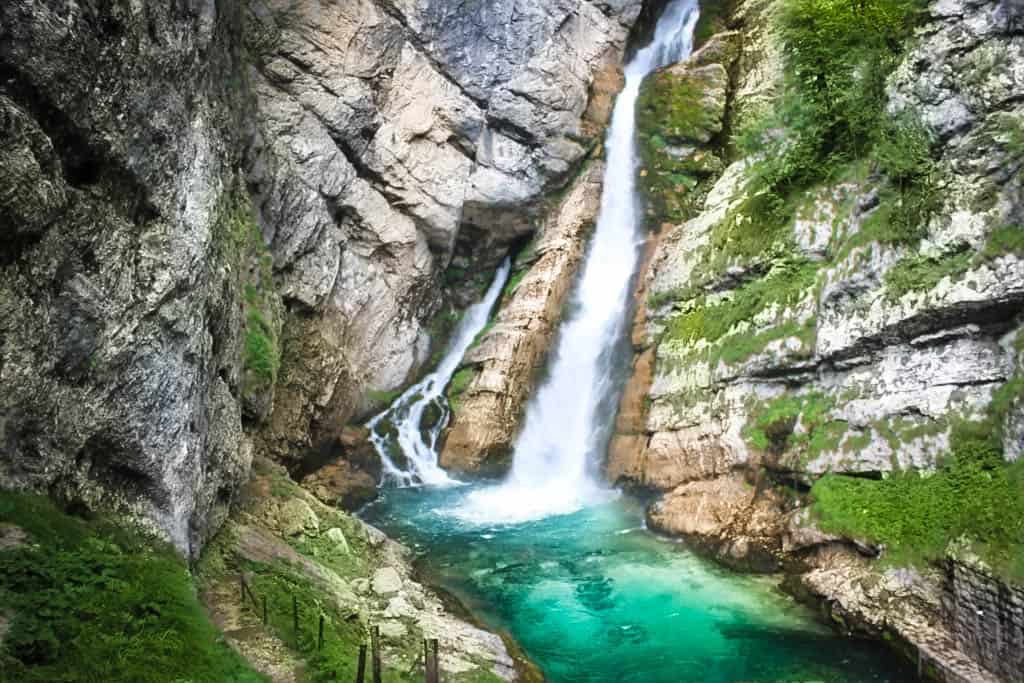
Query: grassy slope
point(90, 602)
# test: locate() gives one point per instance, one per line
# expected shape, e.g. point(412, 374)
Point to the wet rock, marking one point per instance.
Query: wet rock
point(508, 356)
point(737, 523)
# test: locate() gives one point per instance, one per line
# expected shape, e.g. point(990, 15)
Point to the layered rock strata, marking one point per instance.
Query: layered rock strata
point(504, 365)
point(829, 350)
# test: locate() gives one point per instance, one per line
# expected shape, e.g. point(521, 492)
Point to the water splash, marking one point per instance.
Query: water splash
point(569, 420)
point(406, 433)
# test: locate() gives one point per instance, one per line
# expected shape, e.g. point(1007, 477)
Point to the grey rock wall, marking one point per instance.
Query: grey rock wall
point(223, 225)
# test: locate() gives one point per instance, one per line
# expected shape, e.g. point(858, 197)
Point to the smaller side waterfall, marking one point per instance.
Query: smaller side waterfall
point(406, 433)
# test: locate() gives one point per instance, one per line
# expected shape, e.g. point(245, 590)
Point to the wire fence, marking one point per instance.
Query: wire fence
point(431, 666)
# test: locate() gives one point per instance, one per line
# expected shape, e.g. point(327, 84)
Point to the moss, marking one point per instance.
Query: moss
point(714, 16)
point(91, 602)
point(674, 105)
point(250, 261)
point(795, 424)
point(676, 122)
point(513, 283)
point(385, 397)
point(922, 273)
point(786, 284)
point(460, 382)
point(1007, 239)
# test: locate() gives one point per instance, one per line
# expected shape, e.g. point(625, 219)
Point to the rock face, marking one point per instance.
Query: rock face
point(357, 574)
point(224, 226)
point(505, 363)
point(827, 349)
point(381, 138)
point(119, 311)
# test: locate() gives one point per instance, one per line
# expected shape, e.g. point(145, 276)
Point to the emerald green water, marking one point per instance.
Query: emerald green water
point(592, 596)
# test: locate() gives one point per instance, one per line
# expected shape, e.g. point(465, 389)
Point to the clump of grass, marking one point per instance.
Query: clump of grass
point(90, 602)
point(786, 284)
point(917, 515)
point(922, 273)
point(974, 494)
point(796, 424)
point(1007, 239)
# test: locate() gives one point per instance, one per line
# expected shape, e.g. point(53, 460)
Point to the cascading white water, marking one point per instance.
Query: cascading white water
point(564, 433)
point(405, 430)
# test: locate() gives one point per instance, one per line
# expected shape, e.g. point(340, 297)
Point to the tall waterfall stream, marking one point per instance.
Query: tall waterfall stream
point(552, 555)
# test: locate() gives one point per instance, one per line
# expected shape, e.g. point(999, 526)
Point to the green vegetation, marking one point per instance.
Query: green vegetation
point(921, 273)
point(1008, 239)
point(91, 602)
point(726, 324)
point(261, 358)
point(460, 382)
point(250, 261)
point(795, 423)
point(831, 114)
point(513, 282)
point(673, 110)
point(917, 515)
point(385, 397)
point(712, 20)
point(975, 494)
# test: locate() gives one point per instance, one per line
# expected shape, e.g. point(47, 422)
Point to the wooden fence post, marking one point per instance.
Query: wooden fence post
point(375, 653)
point(434, 672)
point(295, 620)
point(265, 621)
point(320, 634)
point(361, 666)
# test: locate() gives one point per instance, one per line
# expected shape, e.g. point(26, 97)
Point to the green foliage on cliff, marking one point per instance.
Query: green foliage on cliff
point(249, 260)
point(917, 515)
point(798, 424)
point(922, 273)
point(974, 494)
point(832, 112)
point(460, 382)
point(727, 324)
point(713, 17)
point(1007, 239)
point(261, 355)
point(91, 602)
point(675, 120)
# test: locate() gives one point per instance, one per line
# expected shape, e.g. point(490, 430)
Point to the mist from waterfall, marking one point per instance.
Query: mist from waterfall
point(569, 420)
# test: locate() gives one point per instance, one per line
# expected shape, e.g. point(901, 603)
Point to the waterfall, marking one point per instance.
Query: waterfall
point(408, 429)
point(569, 419)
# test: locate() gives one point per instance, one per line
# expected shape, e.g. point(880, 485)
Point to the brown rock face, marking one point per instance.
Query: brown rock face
point(349, 478)
point(738, 523)
point(508, 357)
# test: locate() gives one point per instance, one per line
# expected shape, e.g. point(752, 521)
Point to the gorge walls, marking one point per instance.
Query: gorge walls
point(225, 226)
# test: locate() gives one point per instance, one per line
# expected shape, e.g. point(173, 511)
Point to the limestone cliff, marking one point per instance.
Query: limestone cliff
point(847, 323)
point(225, 224)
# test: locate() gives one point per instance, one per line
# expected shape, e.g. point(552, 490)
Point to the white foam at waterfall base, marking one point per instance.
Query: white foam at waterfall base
point(564, 434)
point(418, 446)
